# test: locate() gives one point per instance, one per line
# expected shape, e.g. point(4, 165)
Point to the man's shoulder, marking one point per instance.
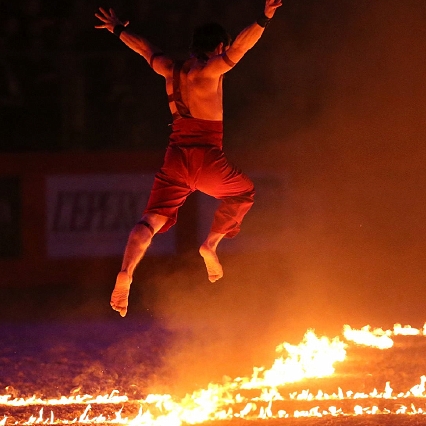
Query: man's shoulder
point(203, 69)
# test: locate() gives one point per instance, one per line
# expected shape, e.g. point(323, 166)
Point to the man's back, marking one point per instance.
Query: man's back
point(200, 79)
point(201, 90)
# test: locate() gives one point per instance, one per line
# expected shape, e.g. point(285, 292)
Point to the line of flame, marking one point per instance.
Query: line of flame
point(314, 357)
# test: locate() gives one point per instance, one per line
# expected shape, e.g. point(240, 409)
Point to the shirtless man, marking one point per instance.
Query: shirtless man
point(194, 159)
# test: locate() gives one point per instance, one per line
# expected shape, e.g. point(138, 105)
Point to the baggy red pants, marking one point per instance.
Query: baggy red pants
point(194, 160)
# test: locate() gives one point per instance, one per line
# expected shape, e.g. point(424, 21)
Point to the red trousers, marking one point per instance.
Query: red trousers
point(194, 160)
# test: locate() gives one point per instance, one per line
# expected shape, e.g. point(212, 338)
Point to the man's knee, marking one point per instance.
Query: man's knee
point(153, 222)
point(147, 225)
point(249, 195)
point(141, 235)
point(252, 193)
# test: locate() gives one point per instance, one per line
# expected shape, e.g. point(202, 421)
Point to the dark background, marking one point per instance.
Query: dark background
point(75, 87)
point(332, 97)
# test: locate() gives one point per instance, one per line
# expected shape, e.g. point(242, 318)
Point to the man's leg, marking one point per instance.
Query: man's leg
point(139, 240)
point(208, 252)
point(223, 181)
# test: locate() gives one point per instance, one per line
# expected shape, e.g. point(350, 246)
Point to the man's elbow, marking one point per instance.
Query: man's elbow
point(236, 54)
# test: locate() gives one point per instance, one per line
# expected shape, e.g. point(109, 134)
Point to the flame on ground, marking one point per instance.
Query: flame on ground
point(260, 396)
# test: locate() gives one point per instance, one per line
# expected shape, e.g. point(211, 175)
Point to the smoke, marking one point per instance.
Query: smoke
point(370, 182)
point(340, 114)
point(357, 224)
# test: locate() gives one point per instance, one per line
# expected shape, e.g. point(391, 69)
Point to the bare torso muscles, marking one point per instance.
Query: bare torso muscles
point(201, 93)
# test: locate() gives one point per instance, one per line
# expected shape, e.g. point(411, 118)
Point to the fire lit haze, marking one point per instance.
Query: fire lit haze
point(319, 318)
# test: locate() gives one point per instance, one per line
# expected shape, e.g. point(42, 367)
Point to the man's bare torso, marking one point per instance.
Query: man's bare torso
point(201, 91)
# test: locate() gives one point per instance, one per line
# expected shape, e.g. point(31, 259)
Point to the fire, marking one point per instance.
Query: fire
point(112, 398)
point(313, 357)
point(266, 394)
point(407, 330)
point(376, 338)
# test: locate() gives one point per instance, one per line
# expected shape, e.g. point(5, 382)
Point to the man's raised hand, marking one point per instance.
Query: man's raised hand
point(109, 19)
point(271, 6)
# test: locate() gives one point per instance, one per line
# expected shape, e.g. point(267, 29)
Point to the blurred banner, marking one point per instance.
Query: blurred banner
point(10, 217)
point(92, 215)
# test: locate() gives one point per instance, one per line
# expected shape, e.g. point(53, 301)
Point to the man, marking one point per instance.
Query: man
point(194, 159)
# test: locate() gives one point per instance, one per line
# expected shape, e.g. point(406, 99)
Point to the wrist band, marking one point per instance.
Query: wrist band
point(263, 20)
point(118, 29)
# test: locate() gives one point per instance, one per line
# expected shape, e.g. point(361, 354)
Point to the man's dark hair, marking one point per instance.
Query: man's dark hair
point(207, 37)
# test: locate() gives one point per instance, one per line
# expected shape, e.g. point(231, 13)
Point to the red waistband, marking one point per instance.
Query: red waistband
point(196, 132)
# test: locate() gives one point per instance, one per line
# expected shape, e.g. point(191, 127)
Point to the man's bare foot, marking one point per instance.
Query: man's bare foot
point(214, 268)
point(120, 294)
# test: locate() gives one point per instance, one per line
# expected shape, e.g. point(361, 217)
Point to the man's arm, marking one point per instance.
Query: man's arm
point(152, 54)
point(245, 40)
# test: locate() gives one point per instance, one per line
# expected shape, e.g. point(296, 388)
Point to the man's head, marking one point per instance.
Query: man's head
point(207, 38)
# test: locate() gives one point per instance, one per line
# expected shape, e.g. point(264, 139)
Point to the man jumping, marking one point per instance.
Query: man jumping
point(194, 158)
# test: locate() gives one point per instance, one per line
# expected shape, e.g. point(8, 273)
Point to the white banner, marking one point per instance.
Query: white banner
point(92, 215)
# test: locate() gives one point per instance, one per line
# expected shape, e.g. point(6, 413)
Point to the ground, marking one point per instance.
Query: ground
point(53, 359)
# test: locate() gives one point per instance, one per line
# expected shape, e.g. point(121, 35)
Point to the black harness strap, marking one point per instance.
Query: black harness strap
point(176, 96)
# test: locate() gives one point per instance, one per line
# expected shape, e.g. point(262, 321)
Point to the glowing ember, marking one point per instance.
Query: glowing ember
point(268, 393)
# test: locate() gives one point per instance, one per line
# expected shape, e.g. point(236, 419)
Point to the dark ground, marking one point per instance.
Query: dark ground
point(53, 359)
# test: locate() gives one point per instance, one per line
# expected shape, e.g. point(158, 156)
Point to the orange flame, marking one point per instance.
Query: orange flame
point(314, 357)
point(376, 338)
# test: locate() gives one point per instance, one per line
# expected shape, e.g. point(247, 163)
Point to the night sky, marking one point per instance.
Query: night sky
point(333, 97)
